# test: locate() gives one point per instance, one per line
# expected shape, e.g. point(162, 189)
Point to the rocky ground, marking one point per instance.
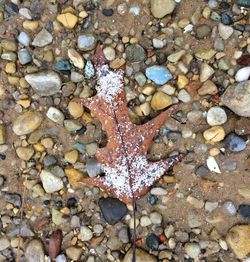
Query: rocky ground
point(195, 54)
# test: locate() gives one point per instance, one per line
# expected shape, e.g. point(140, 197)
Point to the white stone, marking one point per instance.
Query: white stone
point(85, 233)
point(225, 31)
point(55, 115)
point(25, 12)
point(24, 39)
point(206, 72)
point(184, 96)
point(216, 116)
point(145, 221)
point(43, 38)
point(192, 250)
point(109, 53)
point(156, 218)
point(212, 165)
point(51, 183)
point(158, 191)
point(242, 74)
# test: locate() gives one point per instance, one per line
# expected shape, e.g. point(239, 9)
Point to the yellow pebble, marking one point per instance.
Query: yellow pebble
point(182, 81)
point(75, 109)
point(214, 151)
point(214, 134)
point(25, 103)
point(87, 118)
point(83, 14)
point(13, 80)
point(10, 68)
point(39, 147)
point(30, 25)
point(68, 20)
point(160, 101)
point(71, 156)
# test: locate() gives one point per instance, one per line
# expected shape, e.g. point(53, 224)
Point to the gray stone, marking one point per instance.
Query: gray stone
point(51, 183)
point(45, 83)
point(86, 42)
point(43, 38)
point(225, 31)
point(135, 53)
point(24, 56)
point(34, 251)
point(4, 243)
point(202, 31)
point(140, 79)
point(55, 115)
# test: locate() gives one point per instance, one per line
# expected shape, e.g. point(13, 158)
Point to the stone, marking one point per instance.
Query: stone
point(145, 221)
point(107, 11)
point(234, 143)
point(193, 250)
point(152, 241)
point(10, 68)
point(195, 202)
point(75, 109)
point(244, 210)
point(25, 153)
point(76, 77)
point(202, 171)
point(208, 88)
point(194, 220)
point(211, 206)
point(55, 115)
point(214, 134)
point(216, 116)
point(117, 63)
point(159, 43)
point(85, 233)
point(158, 74)
point(243, 74)
point(229, 208)
point(2, 134)
point(89, 70)
point(205, 54)
point(160, 101)
point(74, 253)
point(4, 243)
point(184, 96)
point(225, 31)
point(161, 8)
point(72, 125)
point(9, 45)
point(238, 240)
point(30, 25)
point(109, 53)
point(63, 65)
point(51, 183)
point(24, 39)
point(76, 58)
point(244, 3)
point(45, 83)
point(202, 31)
point(206, 71)
point(71, 156)
point(135, 53)
point(27, 123)
point(140, 78)
point(68, 20)
point(176, 56)
point(141, 256)
point(86, 42)
point(245, 192)
point(9, 56)
point(73, 176)
point(25, 12)
point(24, 56)
point(237, 98)
point(156, 218)
point(61, 258)
point(43, 38)
point(213, 165)
point(113, 210)
point(34, 251)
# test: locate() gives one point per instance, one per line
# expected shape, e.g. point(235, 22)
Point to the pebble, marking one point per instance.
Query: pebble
point(225, 31)
point(216, 116)
point(145, 221)
point(152, 241)
point(76, 77)
point(244, 3)
point(24, 56)
point(71, 156)
point(51, 183)
point(208, 88)
point(158, 191)
point(61, 258)
point(141, 256)
point(27, 123)
point(72, 125)
point(161, 8)
point(243, 74)
point(9, 45)
point(109, 53)
point(25, 153)
point(158, 74)
point(4, 243)
point(184, 96)
point(205, 54)
point(63, 65)
point(234, 143)
point(211, 206)
point(237, 98)
point(176, 56)
point(140, 79)
point(24, 39)
point(30, 25)
point(212, 165)
point(245, 192)
point(202, 31)
point(34, 251)
point(230, 208)
point(107, 11)
point(2, 134)
point(75, 109)
point(159, 43)
point(212, 4)
point(214, 134)
point(244, 210)
point(43, 38)
point(25, 12)
point(49, 160)
point(206, 71)
point(55, 115)
point(76, 58)
point(85, 233)
point(9, 56)
point(160, 101)
point(202, 171)
point(195, 202)
point(113, 210)
point(68, 20)
point(193, 250)
point(156, 218)
point(74, 253)
point(135, 53)
point(45, 83)
point(226, 19)
point(238, 239)
point(86, 42)
point(89, 70)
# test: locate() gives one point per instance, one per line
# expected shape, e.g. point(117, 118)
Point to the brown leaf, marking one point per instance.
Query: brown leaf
point(55, 243)
point(128, 173)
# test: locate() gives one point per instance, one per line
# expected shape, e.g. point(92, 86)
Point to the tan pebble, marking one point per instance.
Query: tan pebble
point(47, 142)
point(133, 40)
point(2, 92)
point(206, 12)
point(76, 58)
point(68, 20)
point(83, 14)
point(2, 134)
point(87, 118)
point(25, 153)
point(23, 83)
point(208, 88)
point(148, 90)
point(10, 68)
point(30, 25)
point(183, 22)
point(48, 56)
point(182, 81)
point(117, 63)
point(75, 109)
point(125, 39)
point(65, 211)
point(145, 108)
point(239, 241)
point(214, 134)
point(25, 103)
point(214, 151)
point(39, 147)
point(245, 192)
point(160, 101)
point(1, 16)
point(13, 80)
point(71, 156)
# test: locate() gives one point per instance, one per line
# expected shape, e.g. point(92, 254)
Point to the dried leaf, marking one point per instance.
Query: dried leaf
point(55, 243)
point(128, 173)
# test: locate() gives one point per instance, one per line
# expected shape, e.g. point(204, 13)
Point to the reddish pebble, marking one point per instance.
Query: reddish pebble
point(162, 238)
point(244, 60)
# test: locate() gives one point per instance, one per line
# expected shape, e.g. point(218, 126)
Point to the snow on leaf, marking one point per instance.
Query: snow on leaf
point(127, 172)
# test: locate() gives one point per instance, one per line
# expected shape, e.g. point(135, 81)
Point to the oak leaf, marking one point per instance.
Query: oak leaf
point(127, 172)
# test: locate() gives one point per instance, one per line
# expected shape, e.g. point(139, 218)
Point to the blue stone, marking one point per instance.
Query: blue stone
point(235, 143)
point(89, 70)
point(80, 147)
point(158, 74)
point(63, 65)
point(244, 210)
point(152, 200)
point(226, 19)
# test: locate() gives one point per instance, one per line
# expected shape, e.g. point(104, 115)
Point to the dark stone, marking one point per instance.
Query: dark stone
point(244, 210)
point(46, 202)
point(11, 8)
point(63, 65)
point(239, 27)
point(71, 202)
point(194, 67)
point(113, 209)
point(224, 5)
point(2, 157)
point(107, 11)
point(135, 53)
point(235, 143)
point(78, 132)
point(244, 60)
point(152, 200)
point(59, 204)
point(202, 171)
point(14, 199)
point(152, 241)
point(49, 160)
point(244, 3)
point(226, 19)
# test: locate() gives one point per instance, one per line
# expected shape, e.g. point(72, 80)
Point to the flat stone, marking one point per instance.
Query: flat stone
point(86, 42)
point(141, 256)
point(205, 54)
point(34, 251)
point(76, 58)
point(161, 8)
point(192, 250)
point(43, 38)
point(158, 74)
point(51, 183)
point(45, 83)
point(160, 101)
point(27, 123)
point(113, 210)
